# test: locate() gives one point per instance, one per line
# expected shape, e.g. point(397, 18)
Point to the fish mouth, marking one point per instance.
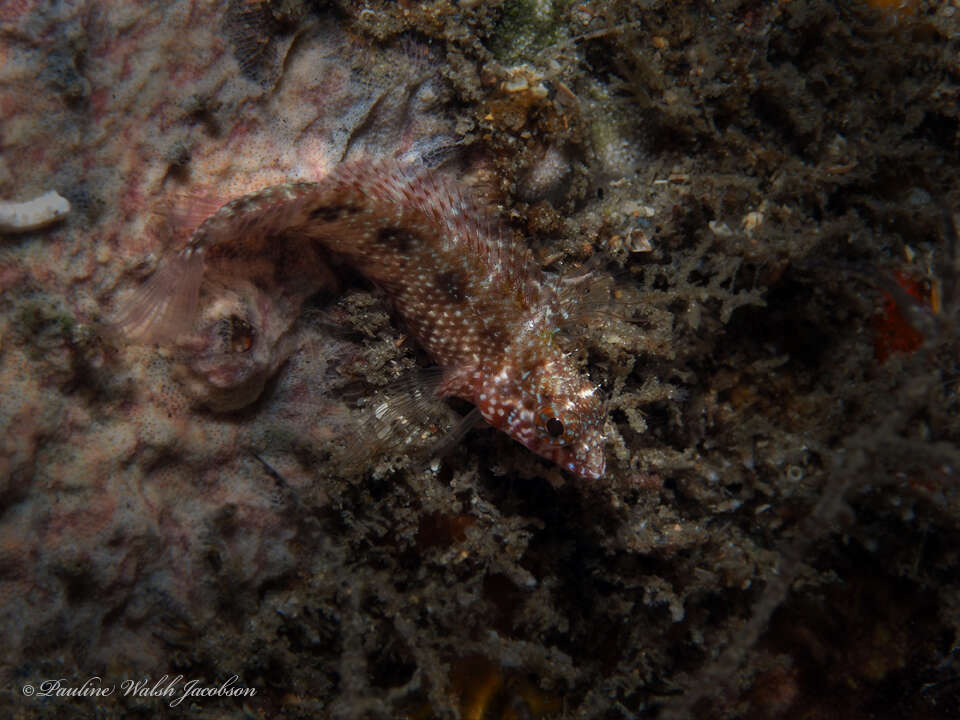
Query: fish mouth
point(593, 466)
point(589, 465)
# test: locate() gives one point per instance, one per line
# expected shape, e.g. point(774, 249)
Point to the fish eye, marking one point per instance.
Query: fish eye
point(555, 427)
point(237, 334)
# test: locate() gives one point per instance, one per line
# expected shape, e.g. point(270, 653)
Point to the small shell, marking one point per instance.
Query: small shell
point(17, 217)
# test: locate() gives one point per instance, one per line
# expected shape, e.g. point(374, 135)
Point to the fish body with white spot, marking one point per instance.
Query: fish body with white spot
point(472, 297)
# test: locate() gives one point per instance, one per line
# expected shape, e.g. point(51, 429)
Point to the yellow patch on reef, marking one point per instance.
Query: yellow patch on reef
point(483, 691)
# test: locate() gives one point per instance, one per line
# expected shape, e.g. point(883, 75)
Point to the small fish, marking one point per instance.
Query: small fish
point(471, 297)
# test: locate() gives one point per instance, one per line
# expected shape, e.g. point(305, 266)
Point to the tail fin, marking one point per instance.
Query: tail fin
point(165, 307)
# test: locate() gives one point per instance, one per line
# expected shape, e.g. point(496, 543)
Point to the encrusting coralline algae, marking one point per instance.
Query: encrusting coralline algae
point(472, 297)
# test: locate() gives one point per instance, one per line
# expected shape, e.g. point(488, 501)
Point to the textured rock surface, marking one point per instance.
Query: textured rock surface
point(147, 118)
point(781, 490)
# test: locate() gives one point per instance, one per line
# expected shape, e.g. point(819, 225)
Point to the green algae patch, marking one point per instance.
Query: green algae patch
point(529, 26)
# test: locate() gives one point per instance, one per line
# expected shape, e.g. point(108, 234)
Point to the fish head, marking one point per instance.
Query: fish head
point(550, 407)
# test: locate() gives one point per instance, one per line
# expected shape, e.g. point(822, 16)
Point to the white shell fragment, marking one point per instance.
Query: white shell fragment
point(720, 229)
point(16, 217)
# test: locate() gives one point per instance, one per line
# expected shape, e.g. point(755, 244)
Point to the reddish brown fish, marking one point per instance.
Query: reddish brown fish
point(472, 298)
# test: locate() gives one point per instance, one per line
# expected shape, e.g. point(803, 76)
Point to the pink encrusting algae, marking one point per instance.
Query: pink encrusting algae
point(472, 297)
